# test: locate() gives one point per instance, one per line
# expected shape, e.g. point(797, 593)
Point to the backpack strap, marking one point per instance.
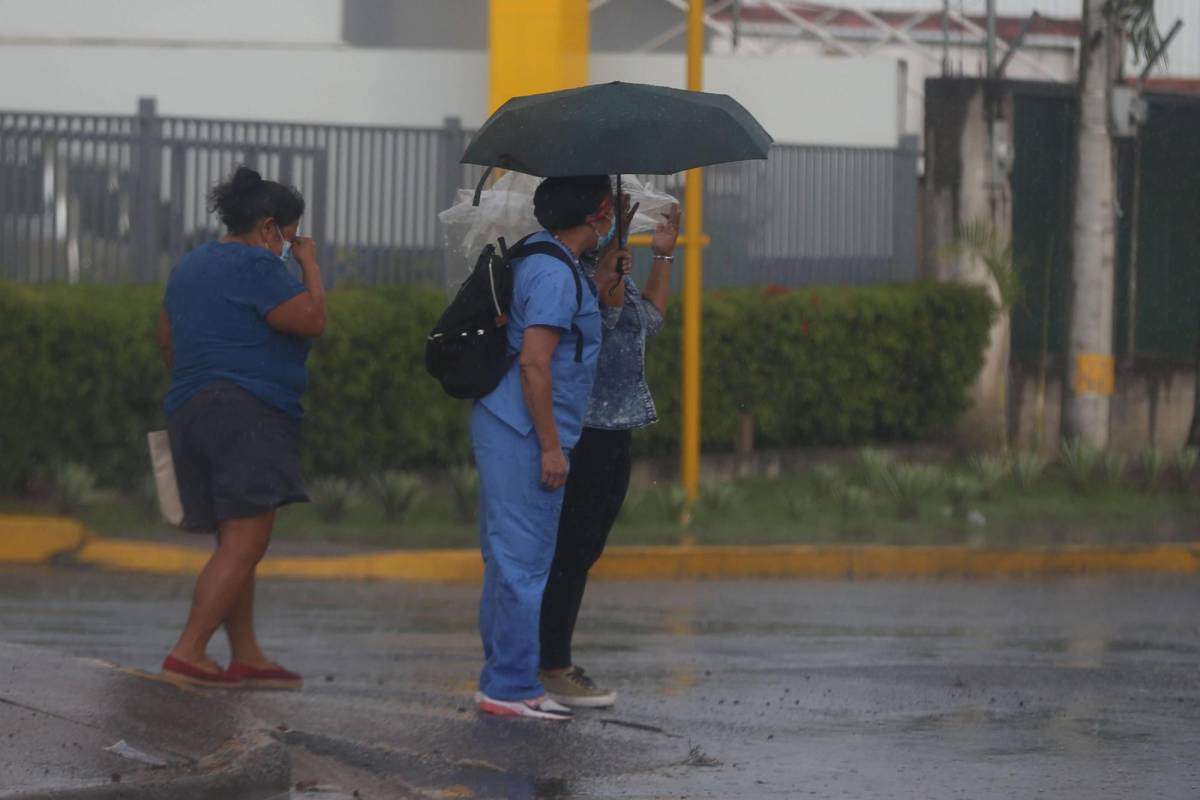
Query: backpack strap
point(523, 249)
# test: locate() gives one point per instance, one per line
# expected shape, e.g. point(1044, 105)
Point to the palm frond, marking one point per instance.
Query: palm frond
point(1138, 23)
point(980, 239)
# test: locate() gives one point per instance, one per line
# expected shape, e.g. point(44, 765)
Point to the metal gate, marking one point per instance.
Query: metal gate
point(120, 199)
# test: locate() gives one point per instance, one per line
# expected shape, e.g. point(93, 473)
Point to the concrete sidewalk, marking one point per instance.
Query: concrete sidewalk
point(81, 729)
point(32, 540)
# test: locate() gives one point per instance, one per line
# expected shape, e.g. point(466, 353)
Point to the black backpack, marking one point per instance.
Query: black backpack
point(467, 350)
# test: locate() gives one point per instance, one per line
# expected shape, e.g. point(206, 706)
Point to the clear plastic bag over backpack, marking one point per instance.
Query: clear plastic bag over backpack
point(506, 210)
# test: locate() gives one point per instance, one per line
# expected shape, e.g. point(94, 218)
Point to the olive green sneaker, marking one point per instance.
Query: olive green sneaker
point(574, 689)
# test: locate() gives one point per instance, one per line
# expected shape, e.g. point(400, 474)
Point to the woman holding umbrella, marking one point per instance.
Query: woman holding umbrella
point(600, 467)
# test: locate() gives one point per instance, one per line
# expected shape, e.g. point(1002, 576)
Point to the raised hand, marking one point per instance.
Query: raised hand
point(666, 234)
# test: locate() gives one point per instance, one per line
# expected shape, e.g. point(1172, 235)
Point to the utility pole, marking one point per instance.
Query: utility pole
point(991, 39)
point(1091, 368)
point(693, 219)
point(945, 38)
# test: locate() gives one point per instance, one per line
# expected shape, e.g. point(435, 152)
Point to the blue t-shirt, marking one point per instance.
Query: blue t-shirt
point(217, 299)
point(544, 294)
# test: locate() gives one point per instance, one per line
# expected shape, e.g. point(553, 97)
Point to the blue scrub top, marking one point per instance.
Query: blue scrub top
point(217, 299)
point(544, 294)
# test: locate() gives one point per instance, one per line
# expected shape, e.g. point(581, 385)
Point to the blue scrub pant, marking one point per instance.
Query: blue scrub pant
point(518, 529)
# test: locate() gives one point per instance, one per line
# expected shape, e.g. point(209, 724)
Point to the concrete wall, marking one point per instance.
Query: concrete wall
point(1152, 407)
point(959, 189)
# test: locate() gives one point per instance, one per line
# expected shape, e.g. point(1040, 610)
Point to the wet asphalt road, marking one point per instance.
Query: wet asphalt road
point(1008, 689)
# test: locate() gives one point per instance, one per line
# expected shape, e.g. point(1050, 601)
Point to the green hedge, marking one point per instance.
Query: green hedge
point(832, 365)
point(80, 378)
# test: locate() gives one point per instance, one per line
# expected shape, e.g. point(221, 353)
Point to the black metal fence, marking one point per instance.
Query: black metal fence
point(120, 198)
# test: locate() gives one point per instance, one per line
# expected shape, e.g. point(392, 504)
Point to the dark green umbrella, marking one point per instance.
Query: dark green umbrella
point(615, 128)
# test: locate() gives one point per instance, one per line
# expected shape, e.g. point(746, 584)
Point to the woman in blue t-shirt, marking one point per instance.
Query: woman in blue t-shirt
point(235, 332)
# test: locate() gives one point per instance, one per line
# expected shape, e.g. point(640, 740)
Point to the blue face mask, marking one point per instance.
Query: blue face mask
point(607, 238)
point(286, 253)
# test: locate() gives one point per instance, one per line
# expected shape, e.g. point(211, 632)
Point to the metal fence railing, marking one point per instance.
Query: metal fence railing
point(120, 198)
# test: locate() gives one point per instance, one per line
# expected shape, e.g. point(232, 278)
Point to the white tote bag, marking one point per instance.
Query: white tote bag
point(169, 504)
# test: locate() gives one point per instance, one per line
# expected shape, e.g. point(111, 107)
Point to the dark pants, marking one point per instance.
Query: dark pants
point(596, 487)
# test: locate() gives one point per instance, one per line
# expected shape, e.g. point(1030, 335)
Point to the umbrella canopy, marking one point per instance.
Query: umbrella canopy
point(615, 128)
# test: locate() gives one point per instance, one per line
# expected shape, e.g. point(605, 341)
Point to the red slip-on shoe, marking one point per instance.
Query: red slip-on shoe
point(178, 671)
point(258, 678)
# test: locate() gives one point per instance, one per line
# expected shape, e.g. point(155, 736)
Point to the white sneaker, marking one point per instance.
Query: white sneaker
point(538, 708)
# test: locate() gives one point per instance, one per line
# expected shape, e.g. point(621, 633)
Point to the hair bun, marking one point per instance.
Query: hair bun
point(245, 180)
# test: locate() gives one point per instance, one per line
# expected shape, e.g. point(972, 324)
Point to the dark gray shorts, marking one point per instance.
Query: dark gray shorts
point(235, 456)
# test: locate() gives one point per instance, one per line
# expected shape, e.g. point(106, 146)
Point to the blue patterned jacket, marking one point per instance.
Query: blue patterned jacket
point(620, 396)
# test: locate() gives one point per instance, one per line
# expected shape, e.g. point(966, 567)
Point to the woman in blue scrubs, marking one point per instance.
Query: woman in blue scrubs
point(523, 432)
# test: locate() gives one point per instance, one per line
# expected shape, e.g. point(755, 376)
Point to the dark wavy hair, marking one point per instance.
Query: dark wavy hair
point(246, 198)
point(561, 203)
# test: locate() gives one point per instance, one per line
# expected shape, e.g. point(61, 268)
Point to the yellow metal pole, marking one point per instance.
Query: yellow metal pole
point(536, 46)
point(693, 205)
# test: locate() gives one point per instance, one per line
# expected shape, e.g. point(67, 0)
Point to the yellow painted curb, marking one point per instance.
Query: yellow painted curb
point(656, 563)
point(127, 555)
point(880, 561)
point(36, 540)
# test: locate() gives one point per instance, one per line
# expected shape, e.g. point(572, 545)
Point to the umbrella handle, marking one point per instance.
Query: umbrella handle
point(479, 186)
point(620, 221)
point(620, 215)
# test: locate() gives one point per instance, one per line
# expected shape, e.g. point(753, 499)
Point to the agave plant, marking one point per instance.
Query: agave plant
point(989, 471)
point(1152, 463)
point(1081, 461)
point(850, 499)
point(1027, 469)
point(1186, 462)
point(333, 498)
point(72, 487)
point(825, 477)
point(720, 497)
point(876, 467)
point(909, 485)
point(396, 493)
point(1115, 465)
point(673, 504)
point(961, 490)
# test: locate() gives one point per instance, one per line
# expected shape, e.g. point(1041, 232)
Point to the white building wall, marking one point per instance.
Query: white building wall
point(913, 66)
point(799, 98)
point(227, 21)
point(315, 84)
point(220, 58)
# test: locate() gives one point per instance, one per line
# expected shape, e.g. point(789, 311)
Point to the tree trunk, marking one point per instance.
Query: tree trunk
point(1091, 367)
point(1193, 439)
